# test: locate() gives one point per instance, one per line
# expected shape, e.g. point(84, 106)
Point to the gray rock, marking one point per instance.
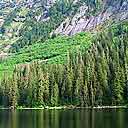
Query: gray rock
point(113, 9)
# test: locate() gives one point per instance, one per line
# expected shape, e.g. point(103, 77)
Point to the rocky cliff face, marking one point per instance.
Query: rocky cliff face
point(115, 10)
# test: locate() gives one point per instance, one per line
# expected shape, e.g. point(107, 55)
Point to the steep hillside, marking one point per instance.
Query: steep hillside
point(111, 11)
point(16, 15)
point(26, 22)
point(29, 29)
point(30, 21)
point(96, 76)
point(52, 51)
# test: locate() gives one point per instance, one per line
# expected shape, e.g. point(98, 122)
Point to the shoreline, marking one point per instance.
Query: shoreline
point(64, 107)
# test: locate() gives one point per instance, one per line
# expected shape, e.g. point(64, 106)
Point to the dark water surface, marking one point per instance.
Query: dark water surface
point(79, 118)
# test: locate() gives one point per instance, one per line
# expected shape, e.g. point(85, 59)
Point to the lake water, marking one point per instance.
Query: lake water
point(79, 118)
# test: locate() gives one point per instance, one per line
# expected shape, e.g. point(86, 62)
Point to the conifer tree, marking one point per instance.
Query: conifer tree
point(46, 89)
point(40, 89)
point(13, 94)
point(55, 94)
point(81, 83)
point(5, 82)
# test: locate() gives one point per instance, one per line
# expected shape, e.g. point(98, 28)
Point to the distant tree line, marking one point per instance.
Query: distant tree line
point(97, 76)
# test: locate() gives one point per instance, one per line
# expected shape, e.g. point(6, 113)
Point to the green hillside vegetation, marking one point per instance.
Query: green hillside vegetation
point(96, 75)
point(33, 31)
point(23, 26)
point(51, 51)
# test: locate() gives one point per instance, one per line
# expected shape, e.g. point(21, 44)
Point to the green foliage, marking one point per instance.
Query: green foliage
point(95, 74)
point(51, 51)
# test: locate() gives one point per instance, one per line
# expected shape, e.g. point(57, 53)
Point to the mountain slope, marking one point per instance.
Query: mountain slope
point(113, 11)
point(41, 66)
point(34, 24)
point(95, 76)
point(27, 22)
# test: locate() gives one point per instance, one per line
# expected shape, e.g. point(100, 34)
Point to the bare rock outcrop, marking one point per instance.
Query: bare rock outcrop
point(112, 10)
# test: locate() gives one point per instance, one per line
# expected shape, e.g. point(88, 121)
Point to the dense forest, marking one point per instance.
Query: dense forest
point(93, 76)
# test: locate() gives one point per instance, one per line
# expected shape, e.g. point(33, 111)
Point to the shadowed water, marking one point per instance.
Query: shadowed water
point(80, 118)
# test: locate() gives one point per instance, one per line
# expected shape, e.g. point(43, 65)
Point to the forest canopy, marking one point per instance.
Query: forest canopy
point(97, 75)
